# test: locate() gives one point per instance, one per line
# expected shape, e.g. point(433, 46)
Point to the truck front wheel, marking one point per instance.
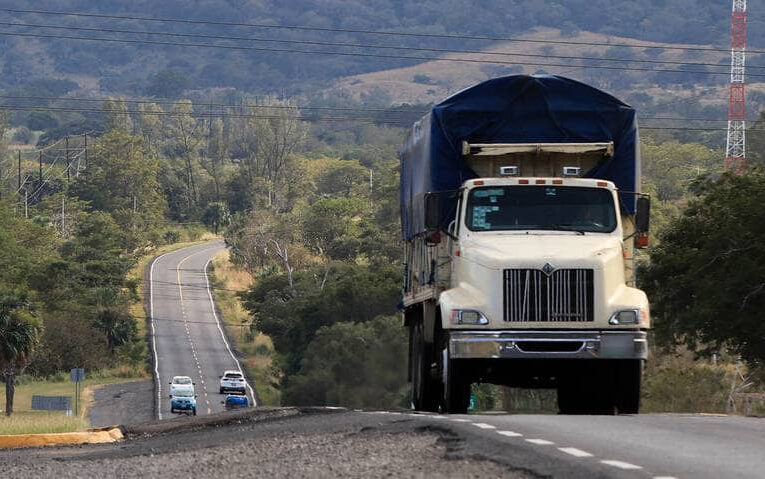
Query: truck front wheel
point(629, 376)
point(456, 385)
point(423, 390)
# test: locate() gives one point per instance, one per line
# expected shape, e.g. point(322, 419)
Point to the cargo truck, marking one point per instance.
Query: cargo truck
point(521, 214)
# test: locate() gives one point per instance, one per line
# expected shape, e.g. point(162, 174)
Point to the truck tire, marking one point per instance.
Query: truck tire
point(456, 386)
point(629, 376)
point(423, 390)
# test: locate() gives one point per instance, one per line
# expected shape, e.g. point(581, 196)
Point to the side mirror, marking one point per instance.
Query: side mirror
point(642, 221)
point(643, 215)
point(193, 384)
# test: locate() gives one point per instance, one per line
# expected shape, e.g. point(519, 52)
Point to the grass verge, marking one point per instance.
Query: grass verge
point(256, 349)
point(26, 421)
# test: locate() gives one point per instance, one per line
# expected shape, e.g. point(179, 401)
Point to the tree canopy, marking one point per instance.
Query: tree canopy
point(706, 278)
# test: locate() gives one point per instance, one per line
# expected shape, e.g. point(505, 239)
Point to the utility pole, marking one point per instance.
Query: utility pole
point(39, 162)
point(67, 159)
point(86, 151)
point(26, 204)
point(63, 215)
point(735, 151)
point(19, 186)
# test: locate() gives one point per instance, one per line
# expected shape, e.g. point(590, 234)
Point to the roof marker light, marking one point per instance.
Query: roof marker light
point(572, 171)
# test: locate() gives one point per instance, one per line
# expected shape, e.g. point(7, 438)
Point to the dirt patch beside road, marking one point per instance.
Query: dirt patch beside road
point(122, 404)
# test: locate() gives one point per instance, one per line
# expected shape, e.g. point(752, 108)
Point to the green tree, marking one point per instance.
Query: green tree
point(117, 116)
point(19, 335)
point(121, 179)
point(341, 178)
point(706, 278)
point(291, 316)
point(353, 365)
point(216, 215)
point(167, 84)
point(118, 326)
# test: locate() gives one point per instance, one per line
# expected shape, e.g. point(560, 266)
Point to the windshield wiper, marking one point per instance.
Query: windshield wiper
point(566, 228)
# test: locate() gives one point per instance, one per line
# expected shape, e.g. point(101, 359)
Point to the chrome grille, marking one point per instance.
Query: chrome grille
point(530, 295)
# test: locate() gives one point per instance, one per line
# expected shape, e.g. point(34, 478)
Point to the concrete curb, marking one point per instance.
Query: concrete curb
point(92, 436)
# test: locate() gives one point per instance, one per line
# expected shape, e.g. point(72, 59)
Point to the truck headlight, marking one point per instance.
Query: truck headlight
point(627, 316)
point(464, 316)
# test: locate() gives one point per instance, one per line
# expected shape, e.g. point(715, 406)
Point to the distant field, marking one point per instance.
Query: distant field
point(26, 421)
point(434, 80)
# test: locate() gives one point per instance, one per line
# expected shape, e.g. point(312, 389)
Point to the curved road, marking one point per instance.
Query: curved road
point(188, 339)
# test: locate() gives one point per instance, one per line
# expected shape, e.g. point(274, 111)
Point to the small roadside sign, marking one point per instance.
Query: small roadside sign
point(472, 405)
point(77, 375)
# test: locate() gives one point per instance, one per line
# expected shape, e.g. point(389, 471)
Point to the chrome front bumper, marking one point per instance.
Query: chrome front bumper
point(548, 345)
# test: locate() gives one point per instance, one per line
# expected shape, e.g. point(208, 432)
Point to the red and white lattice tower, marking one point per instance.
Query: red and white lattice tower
point(735, 152)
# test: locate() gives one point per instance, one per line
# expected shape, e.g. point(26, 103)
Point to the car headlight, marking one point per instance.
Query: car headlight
point(627, 316)
point(463, 316)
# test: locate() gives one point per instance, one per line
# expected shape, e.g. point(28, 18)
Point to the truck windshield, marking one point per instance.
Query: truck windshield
point(558, 208)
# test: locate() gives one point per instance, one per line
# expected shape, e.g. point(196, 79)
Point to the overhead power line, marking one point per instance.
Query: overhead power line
point(171, 103)
point(365, 32)
point(357, 54)
point(363, 45)
point(254, 106)
point(315, 118)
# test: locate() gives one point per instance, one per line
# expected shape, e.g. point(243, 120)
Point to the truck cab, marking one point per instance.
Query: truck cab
point(531, 284)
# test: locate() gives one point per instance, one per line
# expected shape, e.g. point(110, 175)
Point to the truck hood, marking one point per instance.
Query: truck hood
point(495, 251)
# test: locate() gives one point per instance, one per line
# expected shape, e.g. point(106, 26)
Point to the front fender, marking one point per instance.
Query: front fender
point(467, 297)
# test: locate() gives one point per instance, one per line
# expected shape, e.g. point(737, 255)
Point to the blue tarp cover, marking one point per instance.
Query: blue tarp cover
point(513, 109)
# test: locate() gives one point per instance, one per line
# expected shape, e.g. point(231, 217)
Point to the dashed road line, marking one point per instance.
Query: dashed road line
point(483, 425)
point(457, 419)
point(540, 442)
point(575, 452)
point(621, 465)
point(510, 434)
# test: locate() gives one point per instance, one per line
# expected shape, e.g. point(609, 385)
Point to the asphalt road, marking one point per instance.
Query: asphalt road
point(321, 442)
point(188, 339)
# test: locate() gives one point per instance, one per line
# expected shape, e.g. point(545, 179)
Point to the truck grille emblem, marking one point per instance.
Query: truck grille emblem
point(548, 269)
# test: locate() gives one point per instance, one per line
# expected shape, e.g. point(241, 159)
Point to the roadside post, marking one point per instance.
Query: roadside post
point(77, 375)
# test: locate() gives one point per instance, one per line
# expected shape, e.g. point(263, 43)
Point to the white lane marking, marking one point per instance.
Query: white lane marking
point(157, 381)
point(510, 434)
point(665, 477)
point(483, 425)
point(437, 417)
point(457, 419)
point(621, 465)
point(338, 407)
point(222, 335)
point(540, 442)
point(575, 452)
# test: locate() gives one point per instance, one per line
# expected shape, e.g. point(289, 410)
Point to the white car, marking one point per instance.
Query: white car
point(233, 381)
point(181, 384)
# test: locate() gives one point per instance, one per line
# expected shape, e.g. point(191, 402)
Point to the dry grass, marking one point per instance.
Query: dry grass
point(26, 421)
point(257, 349)
point(448, 77)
